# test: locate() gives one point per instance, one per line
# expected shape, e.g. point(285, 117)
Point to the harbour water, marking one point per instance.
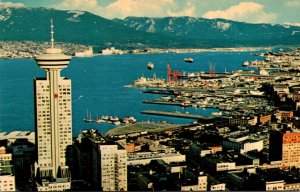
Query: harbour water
point(98, 86)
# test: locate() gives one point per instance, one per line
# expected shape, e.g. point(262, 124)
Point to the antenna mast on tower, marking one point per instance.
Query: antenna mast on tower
point(52, 33)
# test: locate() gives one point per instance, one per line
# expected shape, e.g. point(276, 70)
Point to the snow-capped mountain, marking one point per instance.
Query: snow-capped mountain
point(221, 30)
point(71, 26)
point(23, 23)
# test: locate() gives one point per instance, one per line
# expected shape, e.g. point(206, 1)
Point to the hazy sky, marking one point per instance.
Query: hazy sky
point(255, 11)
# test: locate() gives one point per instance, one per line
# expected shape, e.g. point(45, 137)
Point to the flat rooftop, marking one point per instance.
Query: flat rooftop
point(12, 136)
point(144, 126)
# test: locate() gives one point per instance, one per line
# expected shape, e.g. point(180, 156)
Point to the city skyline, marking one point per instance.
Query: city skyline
point(165, 107)
point(255, 11)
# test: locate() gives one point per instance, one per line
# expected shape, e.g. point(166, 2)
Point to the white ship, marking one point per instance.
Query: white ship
point(143, 81)
point(189, 60)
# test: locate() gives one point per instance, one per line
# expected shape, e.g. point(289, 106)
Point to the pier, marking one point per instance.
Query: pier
point(177, 114)
point(159, 91)
point(165, 103)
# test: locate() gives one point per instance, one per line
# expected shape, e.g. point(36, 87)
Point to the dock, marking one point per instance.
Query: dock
point(164, 103)
point(160, 91)
point(177, 114)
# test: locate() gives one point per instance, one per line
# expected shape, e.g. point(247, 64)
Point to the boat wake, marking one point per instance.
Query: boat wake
point(79, 98)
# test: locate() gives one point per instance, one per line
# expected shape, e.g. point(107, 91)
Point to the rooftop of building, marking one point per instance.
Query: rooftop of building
point(280, 86)
point(289, 176)
point(23, 149)
point(14, 135)
point(17, 134)
point(96, 138)
point(212, 180)
point(94, 135)
point(52, 181)
point(200, 146)
point(275, 174)
point(250, 141)
point(242, 116)
point(146, 155)
point(136, 129)
point(6, 168)
point(239, 136)
point(219, 158)
point(44, 78)
point(177, 164)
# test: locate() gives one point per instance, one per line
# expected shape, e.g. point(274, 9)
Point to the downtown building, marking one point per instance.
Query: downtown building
point(53, 121)
point(285, 147)
point(291, 149)
point(102, 164)
point(7, 176)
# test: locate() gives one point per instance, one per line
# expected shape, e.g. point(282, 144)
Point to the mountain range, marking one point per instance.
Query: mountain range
point(82, 27)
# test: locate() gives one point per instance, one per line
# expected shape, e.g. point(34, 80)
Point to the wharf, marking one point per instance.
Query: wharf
point(177, 114)
point(159, 91)
point(175, 90)
point(164, 103)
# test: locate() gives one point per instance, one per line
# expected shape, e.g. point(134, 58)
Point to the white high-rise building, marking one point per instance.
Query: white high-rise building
point(102, 163)
point(113, 168)
point(53, 120)
point(7, 177)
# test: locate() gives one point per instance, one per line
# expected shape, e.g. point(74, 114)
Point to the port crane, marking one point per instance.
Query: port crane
point(175, 75)
point(172, 75)
point(212, 67)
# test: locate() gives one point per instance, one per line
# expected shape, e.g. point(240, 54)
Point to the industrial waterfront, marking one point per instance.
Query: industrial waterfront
point(188, 98)
point(98, 86)
point(197, 128)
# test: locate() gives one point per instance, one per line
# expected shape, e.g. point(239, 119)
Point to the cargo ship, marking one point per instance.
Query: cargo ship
point(143, 81)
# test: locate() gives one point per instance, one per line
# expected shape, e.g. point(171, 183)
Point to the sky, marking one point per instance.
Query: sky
point(253, 11)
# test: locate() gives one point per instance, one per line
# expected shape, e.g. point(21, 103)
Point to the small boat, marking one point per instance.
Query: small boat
point(131, 120)
point(189, 60)
point(150, 66)
point(88, 117)
point(113, 119)
point(104, 117)
point(217, 113)
point(100, 121)
point(184, 104)
point(128, 120)
point(246, 63)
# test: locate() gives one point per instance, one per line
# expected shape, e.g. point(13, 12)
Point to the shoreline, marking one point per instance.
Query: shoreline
point(156, 51)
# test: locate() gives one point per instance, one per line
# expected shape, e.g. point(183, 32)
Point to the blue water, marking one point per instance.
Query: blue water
point(98, 86)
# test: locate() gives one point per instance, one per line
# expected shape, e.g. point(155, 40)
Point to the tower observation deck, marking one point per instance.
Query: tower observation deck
point(53, 58)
